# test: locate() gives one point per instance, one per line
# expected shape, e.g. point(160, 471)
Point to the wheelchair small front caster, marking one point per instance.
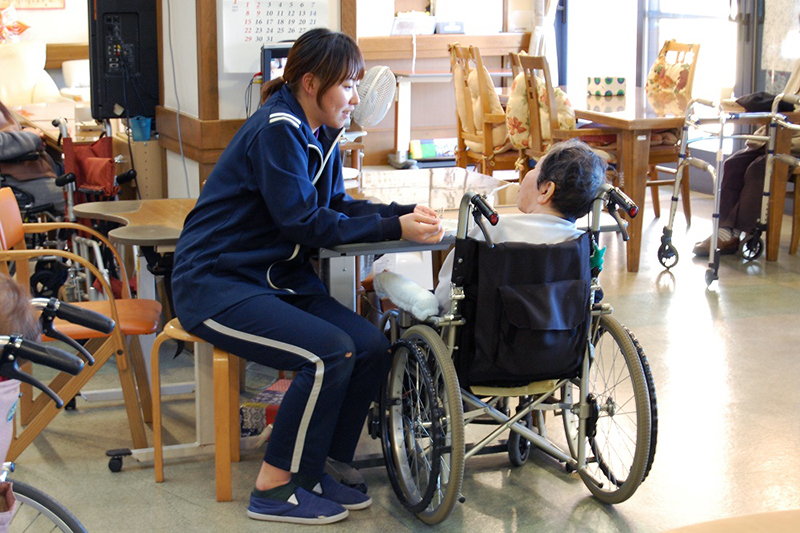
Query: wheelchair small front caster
point(519, 448)
point(115, 461)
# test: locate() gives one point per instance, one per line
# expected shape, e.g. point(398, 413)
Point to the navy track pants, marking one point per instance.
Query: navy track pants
point(340, 359)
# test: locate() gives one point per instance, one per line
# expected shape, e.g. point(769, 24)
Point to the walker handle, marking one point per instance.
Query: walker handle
point(791, 98)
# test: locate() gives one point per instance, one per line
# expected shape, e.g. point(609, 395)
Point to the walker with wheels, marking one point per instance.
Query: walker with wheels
point(752, 245)
point(504, 354)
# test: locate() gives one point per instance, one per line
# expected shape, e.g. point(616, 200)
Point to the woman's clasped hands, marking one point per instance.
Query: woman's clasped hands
point(422, 225)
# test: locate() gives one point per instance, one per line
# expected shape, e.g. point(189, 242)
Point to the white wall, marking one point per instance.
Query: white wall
point(180, 59)
point(480, 17)
point(68, 25)
point(602, 40)
point(178, 180)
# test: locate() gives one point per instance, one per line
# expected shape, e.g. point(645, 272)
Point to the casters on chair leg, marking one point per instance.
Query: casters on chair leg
point(70, 405)
point(115, 461)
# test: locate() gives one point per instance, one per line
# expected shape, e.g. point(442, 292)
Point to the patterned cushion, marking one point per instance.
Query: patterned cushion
point(499, 132)
point(518, 119)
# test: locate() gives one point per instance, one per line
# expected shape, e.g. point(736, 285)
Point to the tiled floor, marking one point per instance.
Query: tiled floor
point(726, 370)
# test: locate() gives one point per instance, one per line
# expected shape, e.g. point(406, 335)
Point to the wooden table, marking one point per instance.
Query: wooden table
point(144, 222)
point(40, 116)
point(780, 176)
point(633, 116)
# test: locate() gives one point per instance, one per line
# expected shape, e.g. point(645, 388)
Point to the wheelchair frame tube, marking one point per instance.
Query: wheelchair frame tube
point(511, 422)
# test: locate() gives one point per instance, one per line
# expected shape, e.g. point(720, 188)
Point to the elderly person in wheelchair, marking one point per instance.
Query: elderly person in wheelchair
point(522, 326)
point(25, 166)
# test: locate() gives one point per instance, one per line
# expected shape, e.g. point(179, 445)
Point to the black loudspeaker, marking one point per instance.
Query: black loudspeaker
point(123, 53)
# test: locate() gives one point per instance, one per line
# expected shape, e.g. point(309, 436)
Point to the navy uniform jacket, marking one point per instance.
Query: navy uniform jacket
point(274, 196)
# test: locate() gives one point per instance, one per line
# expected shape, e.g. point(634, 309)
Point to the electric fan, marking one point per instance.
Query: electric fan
point(376, 94)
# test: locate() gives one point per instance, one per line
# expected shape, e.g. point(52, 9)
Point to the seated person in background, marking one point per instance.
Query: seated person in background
point(16, 317)
point(552, 196)
point(35, 176)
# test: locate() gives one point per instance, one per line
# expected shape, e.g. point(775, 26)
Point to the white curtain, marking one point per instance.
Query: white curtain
point(543, 35)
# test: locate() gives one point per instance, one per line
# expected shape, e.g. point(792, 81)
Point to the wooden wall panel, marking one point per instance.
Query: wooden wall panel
point(57, 53)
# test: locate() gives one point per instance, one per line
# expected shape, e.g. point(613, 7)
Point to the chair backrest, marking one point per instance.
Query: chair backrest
point(460, 58)
point(537, 71)
point(476, 100)
point(674, 68)
point(11, 233)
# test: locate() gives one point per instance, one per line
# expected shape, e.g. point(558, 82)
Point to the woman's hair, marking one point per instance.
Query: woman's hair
point(17, 316)
point(577, 172)
point(330, 56)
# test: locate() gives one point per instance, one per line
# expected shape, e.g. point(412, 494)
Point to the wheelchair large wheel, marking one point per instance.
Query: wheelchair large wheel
point(422, 426)
point(619, 429)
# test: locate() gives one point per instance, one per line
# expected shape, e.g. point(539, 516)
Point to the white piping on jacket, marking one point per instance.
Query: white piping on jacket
point(269, 281)
point(277, 117)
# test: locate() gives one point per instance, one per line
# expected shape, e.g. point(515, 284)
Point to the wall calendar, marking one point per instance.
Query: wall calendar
point(249, 24)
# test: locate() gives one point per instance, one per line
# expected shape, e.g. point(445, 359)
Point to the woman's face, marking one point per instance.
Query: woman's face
point(337, 104)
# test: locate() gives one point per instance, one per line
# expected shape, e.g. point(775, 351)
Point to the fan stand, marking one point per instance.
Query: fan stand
point(401, 161)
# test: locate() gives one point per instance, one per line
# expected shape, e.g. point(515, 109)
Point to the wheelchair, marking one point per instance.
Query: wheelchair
point(504, 340)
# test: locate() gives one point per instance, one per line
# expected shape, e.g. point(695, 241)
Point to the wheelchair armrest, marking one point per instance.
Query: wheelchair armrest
point(42, 227)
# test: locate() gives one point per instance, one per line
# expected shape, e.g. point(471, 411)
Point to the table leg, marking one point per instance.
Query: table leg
point(339, 276)
point(777, 194)
point(146, 289)
point(634, 153)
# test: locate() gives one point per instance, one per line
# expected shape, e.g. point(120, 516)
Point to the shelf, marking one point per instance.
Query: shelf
point(435, 46)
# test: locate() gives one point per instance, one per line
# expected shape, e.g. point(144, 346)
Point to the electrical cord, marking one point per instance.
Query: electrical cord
point(177, 98)
point(248, 93)
point(128, 131)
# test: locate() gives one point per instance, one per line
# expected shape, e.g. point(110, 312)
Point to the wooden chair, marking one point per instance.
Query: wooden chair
point(537, 72)
point(482, 134)
point(673, 57)
point(226, 409)
point(132, 317)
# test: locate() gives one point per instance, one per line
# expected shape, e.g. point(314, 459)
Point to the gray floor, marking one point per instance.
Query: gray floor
point(726, 370)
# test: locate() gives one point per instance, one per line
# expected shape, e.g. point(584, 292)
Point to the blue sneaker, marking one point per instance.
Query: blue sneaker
point(347, 497)
point(302, 508)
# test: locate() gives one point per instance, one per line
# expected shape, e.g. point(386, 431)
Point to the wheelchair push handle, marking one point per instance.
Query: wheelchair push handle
point(15, 347)
point(617, 198)
point(66, 179)
point(488, 212)
point(125, 177)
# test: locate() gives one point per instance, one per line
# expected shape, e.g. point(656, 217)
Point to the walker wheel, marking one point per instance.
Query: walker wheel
point(752, 248)
point(668, 255)
point(711, 276)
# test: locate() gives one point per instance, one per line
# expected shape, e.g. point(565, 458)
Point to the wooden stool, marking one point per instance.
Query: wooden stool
point(226, 409)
